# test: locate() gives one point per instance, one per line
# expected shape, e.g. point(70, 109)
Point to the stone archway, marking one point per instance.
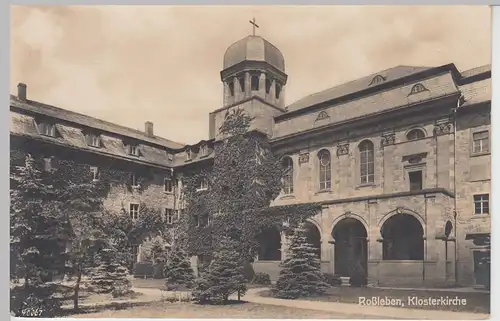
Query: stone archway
point(350, 238)
point(313, 237)
point(403, 238)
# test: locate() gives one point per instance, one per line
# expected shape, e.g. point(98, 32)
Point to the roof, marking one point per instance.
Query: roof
point(254, 48)
point(476, 92)
point(354, 86)
point(87, 121)
point(72, 137)
point(476, 71)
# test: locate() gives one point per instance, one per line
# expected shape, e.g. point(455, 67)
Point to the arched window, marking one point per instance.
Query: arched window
point(231, 88)
point(255, 82)
point(366, 162)
point(415, 134)
point(325, 170)
point(288, 176)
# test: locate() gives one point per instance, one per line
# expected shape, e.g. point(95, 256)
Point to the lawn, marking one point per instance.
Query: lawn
point(475, 302)
point(232, 311)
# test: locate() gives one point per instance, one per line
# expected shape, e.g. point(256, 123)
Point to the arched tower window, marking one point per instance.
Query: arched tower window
point(288, 175)
point(366, 162)
point(231, 88)
point(325, 170)
point(241, 80)
point(268, 85)
point(255, 82)
point(278, 90)
point(415, 134)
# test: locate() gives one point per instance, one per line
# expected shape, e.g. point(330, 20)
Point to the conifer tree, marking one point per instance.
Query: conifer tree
point(225, 274)
point(178, 271)
point(111, 275)
point(301, 274)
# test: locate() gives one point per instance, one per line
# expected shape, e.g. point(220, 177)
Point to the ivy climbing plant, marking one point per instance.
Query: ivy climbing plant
point(245, 178)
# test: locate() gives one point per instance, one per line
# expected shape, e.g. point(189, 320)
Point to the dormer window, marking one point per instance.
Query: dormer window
point(418, 88)
point(204, 150)
point(47, 129)
point(170, 157)
point(378, 79)
point(203, 185)
point(322, 115)
point(133, 150)
point(93, 140)
point(189, 155)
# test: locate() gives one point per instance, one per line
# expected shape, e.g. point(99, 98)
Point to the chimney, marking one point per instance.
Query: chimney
point(21, 92)
point(149, 129)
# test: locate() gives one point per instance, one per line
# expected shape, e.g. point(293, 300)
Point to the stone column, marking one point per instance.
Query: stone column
point(248, 84)
point(331, 243)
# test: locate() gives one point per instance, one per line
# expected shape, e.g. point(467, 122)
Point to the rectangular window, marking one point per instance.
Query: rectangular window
point(47, 129)
point(133, 180)
point(415, 180)
point(47, 164)
point(134, 211)
point(481, 204)
point(480, 142)
point(169, 216)
point(167, 185)
point(135, 253)
point(188, 155)
point(95, 173)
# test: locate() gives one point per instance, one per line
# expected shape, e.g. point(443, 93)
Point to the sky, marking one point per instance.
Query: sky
point(132, 64)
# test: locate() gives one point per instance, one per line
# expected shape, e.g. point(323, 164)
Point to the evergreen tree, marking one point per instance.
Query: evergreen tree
point(37, 227)
point(224, 276)
point(111, 275)
point(178, 271)
point(301, 274)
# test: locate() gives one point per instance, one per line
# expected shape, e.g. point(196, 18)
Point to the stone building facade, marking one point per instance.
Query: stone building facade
point(400, 161)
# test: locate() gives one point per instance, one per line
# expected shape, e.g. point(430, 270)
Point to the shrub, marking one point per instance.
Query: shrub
point(261, 278)
point(158, 270)
point(332, 279)
point(358, 276)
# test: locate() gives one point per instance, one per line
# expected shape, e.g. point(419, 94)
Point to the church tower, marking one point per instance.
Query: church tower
point(254, 79)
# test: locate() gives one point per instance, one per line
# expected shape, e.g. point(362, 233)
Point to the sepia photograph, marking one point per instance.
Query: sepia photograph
point(250, 162)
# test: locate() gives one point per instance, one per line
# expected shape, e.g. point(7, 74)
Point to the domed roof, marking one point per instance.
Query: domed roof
point(254, 48)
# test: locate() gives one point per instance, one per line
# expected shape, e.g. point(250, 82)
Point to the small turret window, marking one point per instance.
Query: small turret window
point(278, 91)
point(241, 80)
point(268, 86)
point(255, 83)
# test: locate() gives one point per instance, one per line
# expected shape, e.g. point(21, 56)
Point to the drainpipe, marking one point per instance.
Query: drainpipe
point(455, 214)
